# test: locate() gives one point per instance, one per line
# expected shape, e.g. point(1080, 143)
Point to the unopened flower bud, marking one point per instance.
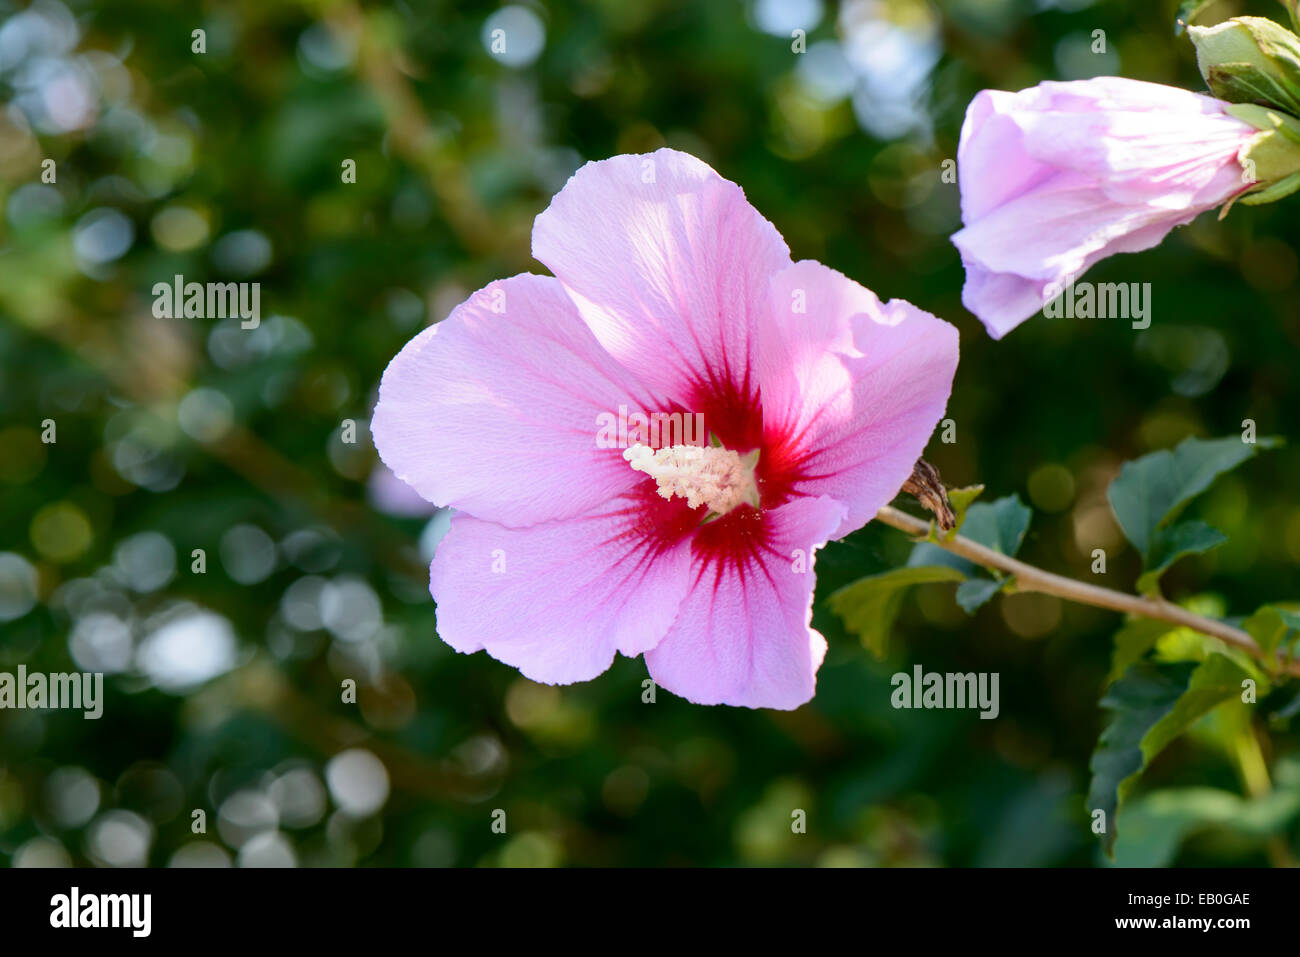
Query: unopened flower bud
point(1250, 60)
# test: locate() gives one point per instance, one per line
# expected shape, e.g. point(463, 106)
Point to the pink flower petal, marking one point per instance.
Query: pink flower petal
point(495, 412)
point(668, 263)
point(1122, 131)
point(743, 635)
point(855, 388)
point(1151, 158)
point(1002, 300)
point(1075, 226)
point(558, 599)
point(1069, 218)
point(993, 165)
point(1060, 176)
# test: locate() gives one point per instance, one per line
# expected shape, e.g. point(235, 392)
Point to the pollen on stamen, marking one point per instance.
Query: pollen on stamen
point(716, 477)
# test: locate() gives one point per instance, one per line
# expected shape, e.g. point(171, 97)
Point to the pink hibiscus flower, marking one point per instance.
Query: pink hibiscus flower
point(1057, 177)
point(671, 295)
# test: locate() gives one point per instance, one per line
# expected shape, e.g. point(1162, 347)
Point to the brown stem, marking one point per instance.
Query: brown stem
point(1030, 578)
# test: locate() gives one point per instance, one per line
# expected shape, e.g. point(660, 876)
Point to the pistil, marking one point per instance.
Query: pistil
point(716, 477)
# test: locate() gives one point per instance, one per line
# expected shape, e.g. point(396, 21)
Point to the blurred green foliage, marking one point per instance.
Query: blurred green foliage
point(225, 689)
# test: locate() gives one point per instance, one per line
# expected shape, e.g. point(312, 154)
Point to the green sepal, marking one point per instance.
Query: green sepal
point(1250, 60)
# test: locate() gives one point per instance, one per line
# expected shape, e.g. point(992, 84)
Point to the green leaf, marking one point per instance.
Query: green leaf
point(976, 592)
point(1158, 822)
point(1133, 641)
point(925, 554)
point(1188, 644)
point(1151, 705)
point(960, 499)
point(1149, 492)
point(999, 525)
point(870, 605)
point(1271, 626)
point(1172, 543)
